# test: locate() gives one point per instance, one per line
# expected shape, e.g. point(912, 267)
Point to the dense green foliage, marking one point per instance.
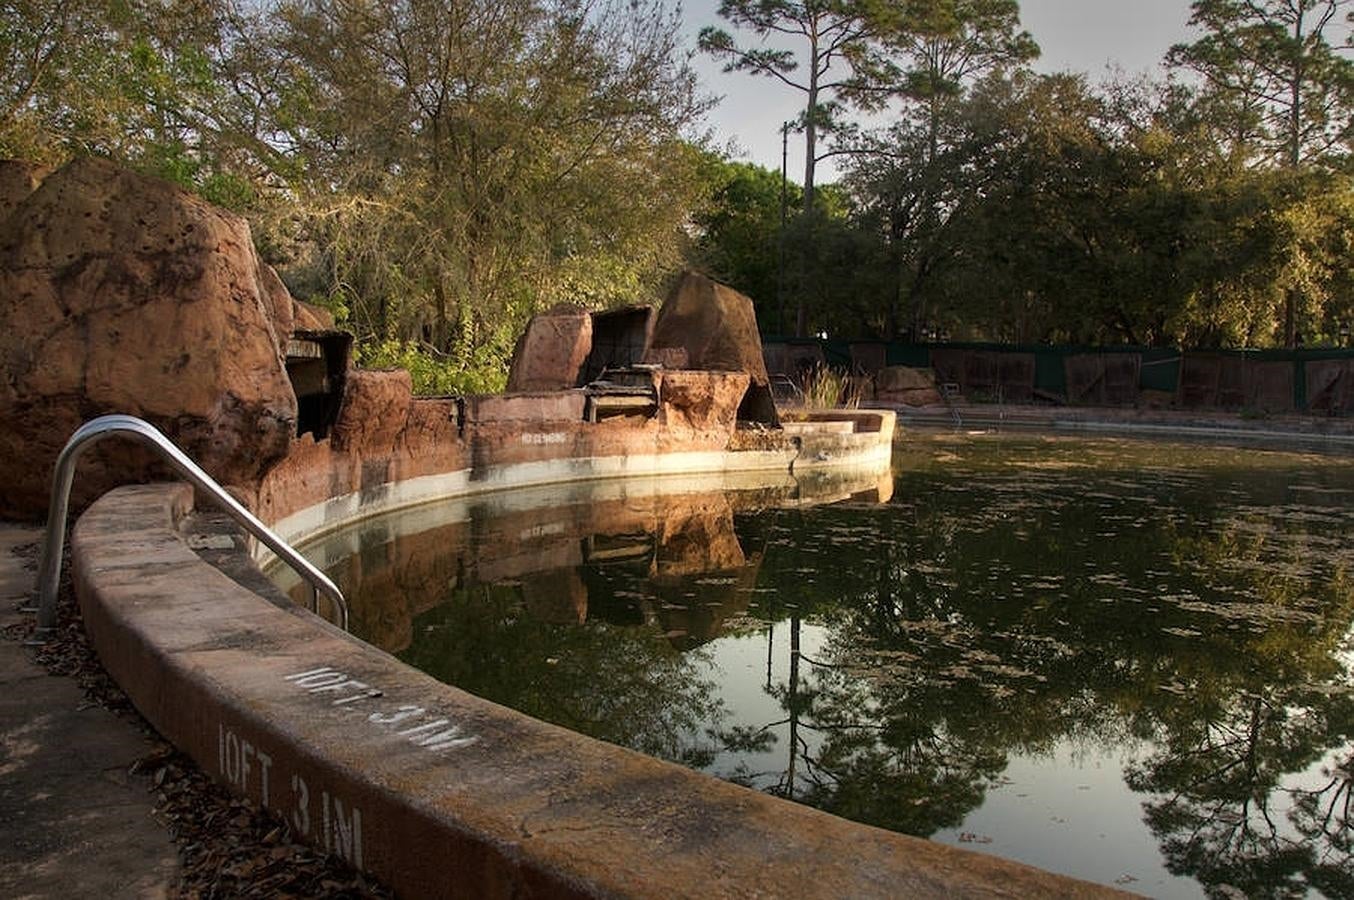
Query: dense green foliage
point(433, 373)
point(1214, 209)
point(437, 172)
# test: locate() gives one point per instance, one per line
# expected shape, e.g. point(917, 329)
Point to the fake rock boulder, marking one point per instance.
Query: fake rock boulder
point(122, 293)
point(707, 325)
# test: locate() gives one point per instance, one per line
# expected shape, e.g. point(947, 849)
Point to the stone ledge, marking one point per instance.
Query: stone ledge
point(438, 792)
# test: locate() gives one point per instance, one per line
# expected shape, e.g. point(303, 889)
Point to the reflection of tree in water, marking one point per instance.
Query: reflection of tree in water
point(986, 613)
point(626, 685)
point(1223, 813)
point(1321, 815)
point(1226, 805)
point(881, 760)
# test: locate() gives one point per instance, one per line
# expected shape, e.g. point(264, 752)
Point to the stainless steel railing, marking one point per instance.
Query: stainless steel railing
point(95, 430)
point(948, 391)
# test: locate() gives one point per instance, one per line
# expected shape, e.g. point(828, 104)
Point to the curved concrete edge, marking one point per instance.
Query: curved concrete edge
point(346, 509)
point(869, 446)
point(435, 791)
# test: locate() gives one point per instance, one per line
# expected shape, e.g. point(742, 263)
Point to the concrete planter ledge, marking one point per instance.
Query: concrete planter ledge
point(440, 793)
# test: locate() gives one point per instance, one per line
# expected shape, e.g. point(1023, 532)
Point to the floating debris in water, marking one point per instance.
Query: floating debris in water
point(969, 837)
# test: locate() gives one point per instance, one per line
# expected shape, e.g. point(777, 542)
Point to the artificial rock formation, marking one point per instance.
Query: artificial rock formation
point(908, 386)
point(374, 412)
point(18, 179)
point(122, 293)
point(707, 325)
point(551, 352)
point(705, 402)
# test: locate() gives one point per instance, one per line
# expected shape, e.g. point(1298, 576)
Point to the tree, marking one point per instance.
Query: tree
point(740, 239)
point(838, 37)
point(970, 226)
point(463, 164)
point(134, 81)
point(1052, 211)
point(841, 61)
point(1284, 257)
point(937, 49)
point(740, 233)
point(1275, 89)
point(945, 45)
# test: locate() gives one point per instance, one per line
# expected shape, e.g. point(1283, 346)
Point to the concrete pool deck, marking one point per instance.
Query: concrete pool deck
point(77, 822)
point(1129, 422)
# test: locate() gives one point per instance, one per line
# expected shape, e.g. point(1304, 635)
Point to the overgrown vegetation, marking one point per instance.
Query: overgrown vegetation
point(437, 172)
point(434, 373)
point(1213, 209)
point(826, 388)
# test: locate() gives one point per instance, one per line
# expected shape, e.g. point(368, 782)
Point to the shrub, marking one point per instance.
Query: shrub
point(434, 373)
point(825, 388)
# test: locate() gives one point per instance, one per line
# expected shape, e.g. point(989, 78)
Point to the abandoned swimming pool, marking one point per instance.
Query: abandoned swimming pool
point(1125, 661)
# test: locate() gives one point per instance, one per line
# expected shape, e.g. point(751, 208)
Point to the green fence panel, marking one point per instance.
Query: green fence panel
point(1160, 369)
point(837, 353)
point(916, 356)
point(1050, 375)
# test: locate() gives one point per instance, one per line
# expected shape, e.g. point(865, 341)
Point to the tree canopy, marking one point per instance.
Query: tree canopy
point(436, 172)
point(1210, 209)
point(1275, 88)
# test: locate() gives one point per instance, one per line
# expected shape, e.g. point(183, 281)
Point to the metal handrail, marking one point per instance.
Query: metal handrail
point(91, 432)
point(948, 390)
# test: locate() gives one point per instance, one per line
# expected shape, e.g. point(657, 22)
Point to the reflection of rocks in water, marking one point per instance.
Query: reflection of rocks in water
point(692, 609)
point(506, 563)
point(670, 561)
point(697, 537)
point(685, 574)
point(559, 598)
point(390, 580)
point(700, 574)
point(820, 486)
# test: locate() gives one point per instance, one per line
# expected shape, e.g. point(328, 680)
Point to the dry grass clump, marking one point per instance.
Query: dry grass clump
point(826, 388)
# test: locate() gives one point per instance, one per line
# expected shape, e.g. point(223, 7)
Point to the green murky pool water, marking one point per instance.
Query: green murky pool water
point(1125, 661)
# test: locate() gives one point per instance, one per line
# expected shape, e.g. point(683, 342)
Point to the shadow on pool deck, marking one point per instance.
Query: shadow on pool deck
point(77, 823)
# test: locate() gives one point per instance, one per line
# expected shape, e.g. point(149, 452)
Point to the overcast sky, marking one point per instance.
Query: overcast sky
point(1080, 35)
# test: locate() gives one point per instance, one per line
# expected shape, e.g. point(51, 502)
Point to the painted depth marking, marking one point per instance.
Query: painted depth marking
point(249, 769)
point(416, 724)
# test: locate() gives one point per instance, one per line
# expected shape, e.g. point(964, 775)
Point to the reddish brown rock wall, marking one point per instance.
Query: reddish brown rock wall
point(384, 435)
point(121, 293)
point(550, 354)
point(18, 179)
point(374, 412)
point(701, 402)
point(707, 325)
